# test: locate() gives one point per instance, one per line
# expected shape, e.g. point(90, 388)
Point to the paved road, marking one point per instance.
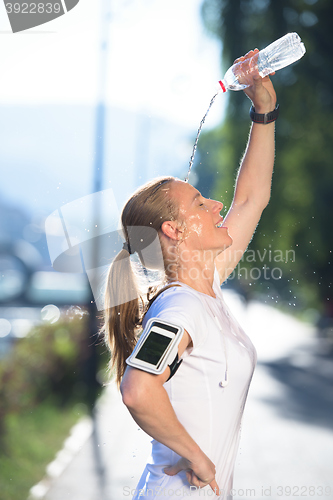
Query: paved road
point(286, 448)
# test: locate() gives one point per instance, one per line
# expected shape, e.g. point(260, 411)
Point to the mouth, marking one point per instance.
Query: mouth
point(220, 223)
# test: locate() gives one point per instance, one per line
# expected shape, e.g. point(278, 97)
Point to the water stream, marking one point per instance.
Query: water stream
point(197, 137)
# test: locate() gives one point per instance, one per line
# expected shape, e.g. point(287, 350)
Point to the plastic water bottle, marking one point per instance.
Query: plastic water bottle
point(277, 55)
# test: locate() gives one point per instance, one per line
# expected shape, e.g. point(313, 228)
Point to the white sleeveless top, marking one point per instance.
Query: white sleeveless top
point(211, 414)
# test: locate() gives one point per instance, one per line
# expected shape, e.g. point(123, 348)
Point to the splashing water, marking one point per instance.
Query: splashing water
point(197, 137)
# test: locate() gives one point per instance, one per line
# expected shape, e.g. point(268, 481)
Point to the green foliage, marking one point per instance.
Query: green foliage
point(50, 362)
point(45, 386)
point(299, 214)
point(32, 439)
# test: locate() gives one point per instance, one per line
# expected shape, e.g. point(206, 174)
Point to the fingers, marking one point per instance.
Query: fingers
point(214, 487)
point(246, 56)
point(172, 470)
point(195, 481)
point(199, 478)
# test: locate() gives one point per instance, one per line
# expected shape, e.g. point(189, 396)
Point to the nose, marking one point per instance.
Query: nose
point(217, 206)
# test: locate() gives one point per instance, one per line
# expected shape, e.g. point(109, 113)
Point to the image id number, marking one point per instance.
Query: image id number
point(32, 8)
point(303, 491)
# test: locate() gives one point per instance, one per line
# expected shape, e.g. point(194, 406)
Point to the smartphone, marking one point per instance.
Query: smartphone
point(157, 346)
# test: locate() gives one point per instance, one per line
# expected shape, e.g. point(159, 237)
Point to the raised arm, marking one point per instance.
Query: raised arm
point(253, 185)
point(149, 405)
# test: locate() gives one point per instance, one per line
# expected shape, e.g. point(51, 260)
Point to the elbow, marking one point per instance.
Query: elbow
point(127, 394)
point(132, 394)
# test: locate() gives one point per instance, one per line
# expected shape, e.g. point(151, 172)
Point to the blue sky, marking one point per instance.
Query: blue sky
point(161, 70)
point(160, 59)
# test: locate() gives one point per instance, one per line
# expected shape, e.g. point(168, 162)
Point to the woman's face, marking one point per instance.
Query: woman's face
point(203, 222)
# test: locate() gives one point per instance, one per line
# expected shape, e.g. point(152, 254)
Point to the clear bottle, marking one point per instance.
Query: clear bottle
point(277, 55)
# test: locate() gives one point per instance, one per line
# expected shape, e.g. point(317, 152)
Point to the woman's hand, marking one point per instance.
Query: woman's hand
point(199, 473)
point(261, 90)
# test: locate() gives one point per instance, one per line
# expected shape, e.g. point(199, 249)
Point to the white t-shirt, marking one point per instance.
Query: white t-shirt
point(211, 414)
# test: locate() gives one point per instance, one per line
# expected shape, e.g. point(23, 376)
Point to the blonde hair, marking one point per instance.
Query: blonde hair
point(150, 206)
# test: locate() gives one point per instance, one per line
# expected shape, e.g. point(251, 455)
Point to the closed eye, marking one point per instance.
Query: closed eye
point(202, 203)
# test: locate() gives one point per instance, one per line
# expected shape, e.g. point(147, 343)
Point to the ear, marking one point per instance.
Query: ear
point(170, 229)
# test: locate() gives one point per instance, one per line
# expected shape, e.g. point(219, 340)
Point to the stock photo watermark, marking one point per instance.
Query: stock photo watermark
point(262, 271)
point(24, 15)
point(84, 236)
point(257, 270)
point(208, 492)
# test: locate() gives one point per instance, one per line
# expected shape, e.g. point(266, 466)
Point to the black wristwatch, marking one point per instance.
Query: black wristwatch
point(265, 117)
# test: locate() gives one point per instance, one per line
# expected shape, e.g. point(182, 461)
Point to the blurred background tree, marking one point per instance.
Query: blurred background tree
point(298, 217)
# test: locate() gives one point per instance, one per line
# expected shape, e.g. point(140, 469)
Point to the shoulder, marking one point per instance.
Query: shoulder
point(174, 298)
point(182, 307)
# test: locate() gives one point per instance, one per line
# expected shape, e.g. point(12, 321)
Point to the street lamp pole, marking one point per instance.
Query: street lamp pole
point(92, 361)
point(91, 367)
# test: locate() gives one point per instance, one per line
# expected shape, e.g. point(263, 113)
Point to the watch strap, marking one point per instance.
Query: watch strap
point(264, 118)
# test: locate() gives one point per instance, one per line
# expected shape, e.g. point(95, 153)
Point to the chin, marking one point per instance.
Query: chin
point(228, 243)
point(231, 241)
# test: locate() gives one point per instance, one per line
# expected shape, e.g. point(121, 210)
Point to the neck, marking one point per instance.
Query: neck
point(198, 275)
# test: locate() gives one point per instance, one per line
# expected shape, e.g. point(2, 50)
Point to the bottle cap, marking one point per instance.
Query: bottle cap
point(222, 86)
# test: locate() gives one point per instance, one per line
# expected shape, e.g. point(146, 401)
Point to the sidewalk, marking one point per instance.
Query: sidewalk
point(286, 449)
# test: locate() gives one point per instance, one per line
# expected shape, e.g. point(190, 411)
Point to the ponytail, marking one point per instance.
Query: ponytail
point(149, 207)
point(122, 316)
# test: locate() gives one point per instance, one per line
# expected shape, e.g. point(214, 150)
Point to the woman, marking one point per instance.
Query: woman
point(194, 417)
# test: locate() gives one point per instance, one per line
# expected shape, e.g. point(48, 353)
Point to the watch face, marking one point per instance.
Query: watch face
point(153, 348)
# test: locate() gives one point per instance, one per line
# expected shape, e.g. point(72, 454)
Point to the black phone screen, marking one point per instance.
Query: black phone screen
point(153, 348)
